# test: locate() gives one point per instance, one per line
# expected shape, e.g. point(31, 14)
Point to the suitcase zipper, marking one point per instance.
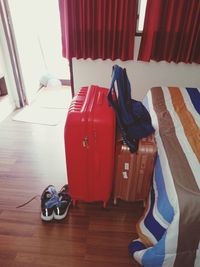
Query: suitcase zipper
point(85, 142)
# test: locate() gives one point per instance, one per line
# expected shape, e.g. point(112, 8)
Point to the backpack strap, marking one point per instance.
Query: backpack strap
point(120, 78)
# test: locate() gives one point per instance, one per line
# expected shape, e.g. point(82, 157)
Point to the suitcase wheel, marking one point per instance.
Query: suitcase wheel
point(74, 202)
point(104, 204)
point(115, 201)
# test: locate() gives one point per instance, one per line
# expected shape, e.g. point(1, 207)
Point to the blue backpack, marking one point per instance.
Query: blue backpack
point(133, 119)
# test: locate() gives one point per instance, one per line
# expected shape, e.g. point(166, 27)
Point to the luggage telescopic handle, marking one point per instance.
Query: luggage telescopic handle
point(100, 98)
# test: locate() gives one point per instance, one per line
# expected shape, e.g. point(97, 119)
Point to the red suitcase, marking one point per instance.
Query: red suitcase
point(89, 145)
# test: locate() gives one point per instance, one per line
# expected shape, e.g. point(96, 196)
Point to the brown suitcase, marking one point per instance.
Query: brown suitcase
point(133, 171)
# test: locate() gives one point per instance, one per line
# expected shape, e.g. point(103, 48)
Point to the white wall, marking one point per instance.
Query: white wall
point(49, 31)
point(142, 75)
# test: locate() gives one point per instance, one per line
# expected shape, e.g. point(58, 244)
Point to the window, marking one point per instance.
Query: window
point(141, 15)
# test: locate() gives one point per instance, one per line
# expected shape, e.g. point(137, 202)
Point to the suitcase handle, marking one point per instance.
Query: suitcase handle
point(100, 98)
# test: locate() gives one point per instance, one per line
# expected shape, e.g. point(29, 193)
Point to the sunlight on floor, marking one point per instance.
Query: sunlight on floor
point(53, 97)
point(6, 107)
point(50, 106)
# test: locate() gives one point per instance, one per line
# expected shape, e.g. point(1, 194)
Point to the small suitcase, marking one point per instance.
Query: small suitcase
point(133, 171)
point(89, 145)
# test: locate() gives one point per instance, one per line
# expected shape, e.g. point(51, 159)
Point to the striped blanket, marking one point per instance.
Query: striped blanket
point(169, 231)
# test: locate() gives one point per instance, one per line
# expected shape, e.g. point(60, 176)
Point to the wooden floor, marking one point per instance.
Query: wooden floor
point(31, 158)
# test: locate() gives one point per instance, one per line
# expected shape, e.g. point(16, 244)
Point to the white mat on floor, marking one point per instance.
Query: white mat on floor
point(34, 114)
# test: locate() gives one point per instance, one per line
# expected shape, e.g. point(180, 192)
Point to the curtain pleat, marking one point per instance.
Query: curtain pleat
point(98, 28)
point(171, 31)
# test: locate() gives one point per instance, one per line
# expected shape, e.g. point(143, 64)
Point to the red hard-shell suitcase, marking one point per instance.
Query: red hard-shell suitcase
point(89, 145)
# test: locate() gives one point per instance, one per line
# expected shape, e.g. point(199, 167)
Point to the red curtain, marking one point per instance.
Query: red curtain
point(98, 28)
point(171, 31)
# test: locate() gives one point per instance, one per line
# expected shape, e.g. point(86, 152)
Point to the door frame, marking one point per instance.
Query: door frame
point(13, 53)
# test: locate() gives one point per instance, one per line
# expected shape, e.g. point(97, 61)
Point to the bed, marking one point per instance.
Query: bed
point(169, 230)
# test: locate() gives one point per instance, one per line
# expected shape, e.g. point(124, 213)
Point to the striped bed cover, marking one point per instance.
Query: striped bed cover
point(169, 231)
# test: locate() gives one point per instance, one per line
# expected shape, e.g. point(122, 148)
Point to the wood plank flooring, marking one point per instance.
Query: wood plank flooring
point(31, 158)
